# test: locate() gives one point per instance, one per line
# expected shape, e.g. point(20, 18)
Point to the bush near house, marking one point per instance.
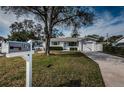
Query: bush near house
point(73, 49)
point(56, 48)
point(118, 51)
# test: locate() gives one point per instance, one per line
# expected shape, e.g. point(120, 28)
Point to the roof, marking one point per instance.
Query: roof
point(2, 38)
point(70, 39)
point(67, 39)
point(91, 38)
point(119, 39)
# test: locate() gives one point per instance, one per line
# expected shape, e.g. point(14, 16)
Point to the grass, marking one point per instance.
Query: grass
point(60, 69)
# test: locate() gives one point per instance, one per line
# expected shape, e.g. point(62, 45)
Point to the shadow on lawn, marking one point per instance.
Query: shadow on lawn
point(71, 83)
point(71, 54)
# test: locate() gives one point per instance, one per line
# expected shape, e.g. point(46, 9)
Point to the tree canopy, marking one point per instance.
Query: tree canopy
point(57, 33)
point(113, 39)
point(52, 16)
point(25, 30)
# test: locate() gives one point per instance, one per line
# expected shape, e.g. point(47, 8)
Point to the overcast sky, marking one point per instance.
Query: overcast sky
point(109, 20)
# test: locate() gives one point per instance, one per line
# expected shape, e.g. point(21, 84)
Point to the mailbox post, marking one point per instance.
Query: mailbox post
point(23, 50)
point(29, 67)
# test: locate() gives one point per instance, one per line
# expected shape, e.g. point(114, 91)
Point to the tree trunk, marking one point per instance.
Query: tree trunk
point(47, 41)
point(47, 51)
point(48, 30)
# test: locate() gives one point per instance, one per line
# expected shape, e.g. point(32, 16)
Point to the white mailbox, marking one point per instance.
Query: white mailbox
point(24, 50)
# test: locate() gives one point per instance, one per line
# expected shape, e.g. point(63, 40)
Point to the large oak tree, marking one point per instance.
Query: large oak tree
point(55, 16)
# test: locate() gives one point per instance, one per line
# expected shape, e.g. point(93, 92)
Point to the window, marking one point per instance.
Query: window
point(72, 43)
point(37, 44)
point(15, 48)
point(55, 43)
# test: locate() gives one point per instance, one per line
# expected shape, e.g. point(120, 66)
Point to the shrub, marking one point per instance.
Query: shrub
point(119, 50)
point(108, 48)
point(56, 48)
point(73, 49)
point(114, 50)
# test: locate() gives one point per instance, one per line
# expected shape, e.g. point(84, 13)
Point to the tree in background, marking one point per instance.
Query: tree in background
point(25, 30)
point(54, 16)
point(57, 33)
point(113, 39)
point(75, 33)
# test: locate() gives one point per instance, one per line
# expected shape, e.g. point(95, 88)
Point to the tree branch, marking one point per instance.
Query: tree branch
point(36, 11)
point(54, 23)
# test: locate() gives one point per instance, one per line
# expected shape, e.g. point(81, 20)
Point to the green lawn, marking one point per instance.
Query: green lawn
point(63, 69)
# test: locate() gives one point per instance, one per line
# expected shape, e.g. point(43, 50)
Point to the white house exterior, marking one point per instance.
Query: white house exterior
point(1, 40)
point(0, 46)
point(81, 44)
point(67, 44)
point(38, 45)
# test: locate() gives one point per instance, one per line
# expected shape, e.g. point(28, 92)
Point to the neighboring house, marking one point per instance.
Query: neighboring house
point(119, 42)
point(38, 45)
point(1, 40)
point(79, 44)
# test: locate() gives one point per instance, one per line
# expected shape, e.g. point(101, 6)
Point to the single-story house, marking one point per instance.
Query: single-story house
point(38, 45)
point(79, 44)
point(1, 40)
point(68, 44)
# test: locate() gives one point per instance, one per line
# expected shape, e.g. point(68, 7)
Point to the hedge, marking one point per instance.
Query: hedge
point(56, 48)
point(73, 49)
point(114, 50)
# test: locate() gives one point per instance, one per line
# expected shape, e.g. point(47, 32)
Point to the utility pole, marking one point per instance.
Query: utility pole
point(107, 37)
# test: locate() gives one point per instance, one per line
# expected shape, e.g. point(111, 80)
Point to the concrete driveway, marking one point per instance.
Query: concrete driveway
point(112, 68)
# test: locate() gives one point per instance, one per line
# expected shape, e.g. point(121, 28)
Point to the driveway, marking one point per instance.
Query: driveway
point(112, 68)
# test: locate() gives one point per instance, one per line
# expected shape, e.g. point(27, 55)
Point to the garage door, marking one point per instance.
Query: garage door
point(87, 47)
